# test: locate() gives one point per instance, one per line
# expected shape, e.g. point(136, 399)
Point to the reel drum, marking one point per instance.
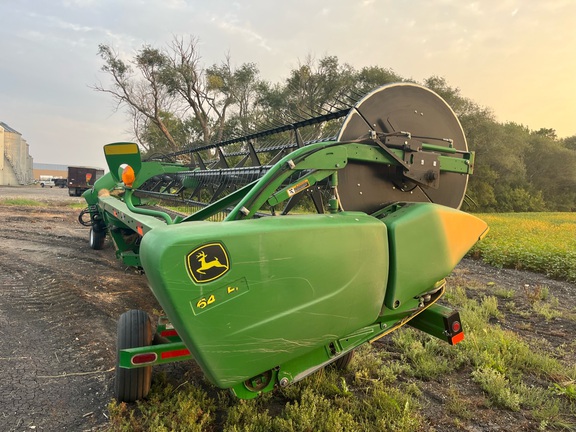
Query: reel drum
point(400, 111)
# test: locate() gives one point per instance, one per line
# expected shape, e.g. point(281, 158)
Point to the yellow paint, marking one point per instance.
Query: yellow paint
point(462, 231)
point(120, 149)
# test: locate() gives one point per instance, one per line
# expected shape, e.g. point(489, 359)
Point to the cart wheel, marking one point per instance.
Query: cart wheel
point(344, 361)
point(134, 330)
point(97, 238)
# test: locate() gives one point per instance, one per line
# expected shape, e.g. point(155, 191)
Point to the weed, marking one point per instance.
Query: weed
point(490, 307)
point(536, 293)
point(187, 408)
point(495, 384)
point(423, 353)
point(504, 293)
point(456, 404)
point(567, 389)
point(546, 310)
point(456, 296)
point(247, 416)
point(314, 412)
point(554, 415)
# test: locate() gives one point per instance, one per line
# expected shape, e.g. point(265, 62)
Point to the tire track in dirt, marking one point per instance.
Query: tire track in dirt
point(38, 311)
point(59, 304)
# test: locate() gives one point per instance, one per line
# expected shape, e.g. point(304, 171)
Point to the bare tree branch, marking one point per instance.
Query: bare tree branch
point(148, 98)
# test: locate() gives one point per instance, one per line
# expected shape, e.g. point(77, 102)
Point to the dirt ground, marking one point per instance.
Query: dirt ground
point(60, 301)
point(59, 304)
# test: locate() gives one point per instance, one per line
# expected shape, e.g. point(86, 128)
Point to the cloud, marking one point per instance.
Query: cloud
point(79, 3)
point(489, 49)
point(474, 8)
point(230, 26)
point(175, 4)
point(64, 25)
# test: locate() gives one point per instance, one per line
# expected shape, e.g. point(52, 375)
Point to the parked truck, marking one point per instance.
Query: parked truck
point(46, 181)
point(81, 179)
point(60, 182)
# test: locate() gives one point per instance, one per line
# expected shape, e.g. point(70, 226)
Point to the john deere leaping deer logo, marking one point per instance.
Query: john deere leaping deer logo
point(208, 262)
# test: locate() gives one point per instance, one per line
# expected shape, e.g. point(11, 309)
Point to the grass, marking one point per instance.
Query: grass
point(77, 206)
point(327, 401)
point(35, 203)
point(512, 373)
point(383, 389)
point(22, 202)
point(541, 242)
point(495, 370)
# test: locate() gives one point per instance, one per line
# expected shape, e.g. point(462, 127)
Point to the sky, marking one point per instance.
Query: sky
point(516, 57)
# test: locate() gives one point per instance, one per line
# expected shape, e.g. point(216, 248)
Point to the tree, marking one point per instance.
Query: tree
point(145, 96)
point(156, 142)
point(186, 79)
point(176, 103)
point(371, 77)
point(547, 132)
point(239, 90)
point(570, 142)
point(158, 85)
point(459, 104)
point(551, 170)
point(312, 89)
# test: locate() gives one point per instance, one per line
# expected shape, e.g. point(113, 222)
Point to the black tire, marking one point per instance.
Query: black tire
point(97, 238)
point(134, 330)
point(41, 184)
point(343, 362)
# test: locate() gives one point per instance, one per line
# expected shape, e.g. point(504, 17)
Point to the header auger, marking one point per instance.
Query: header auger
point(298, 250)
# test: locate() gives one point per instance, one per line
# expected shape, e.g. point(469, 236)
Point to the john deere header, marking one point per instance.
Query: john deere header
point(295, 251)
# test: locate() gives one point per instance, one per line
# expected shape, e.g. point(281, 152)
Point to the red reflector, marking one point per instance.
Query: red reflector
point(456, 327)
point(457, 338)
point(144, 358)
point(175, 353)
point(168, 333)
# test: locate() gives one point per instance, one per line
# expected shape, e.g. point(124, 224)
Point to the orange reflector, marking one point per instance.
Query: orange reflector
point(457, 338)
point(144, 358)
point(128, 176)
point(139, 229)
point(175, 353)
